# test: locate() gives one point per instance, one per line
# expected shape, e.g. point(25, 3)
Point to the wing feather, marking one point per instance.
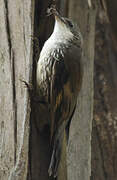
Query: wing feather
point(64, 86)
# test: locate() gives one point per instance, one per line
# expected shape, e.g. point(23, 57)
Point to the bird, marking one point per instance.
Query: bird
point(59, 79)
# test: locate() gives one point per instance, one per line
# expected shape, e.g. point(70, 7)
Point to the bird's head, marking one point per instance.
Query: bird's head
point(64, 28)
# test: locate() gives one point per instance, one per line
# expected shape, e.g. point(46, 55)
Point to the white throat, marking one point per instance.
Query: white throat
point(61, 32)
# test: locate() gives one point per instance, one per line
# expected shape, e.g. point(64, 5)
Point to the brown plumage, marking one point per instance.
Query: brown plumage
point(59, 78)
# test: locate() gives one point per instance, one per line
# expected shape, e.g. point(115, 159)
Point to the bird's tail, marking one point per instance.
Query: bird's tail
point(56, 156)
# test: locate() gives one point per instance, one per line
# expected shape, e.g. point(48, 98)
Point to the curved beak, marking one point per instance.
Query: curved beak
point(53, 11)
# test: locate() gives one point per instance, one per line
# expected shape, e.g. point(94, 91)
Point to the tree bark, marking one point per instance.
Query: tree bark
point(16, 29)
point(104, 135)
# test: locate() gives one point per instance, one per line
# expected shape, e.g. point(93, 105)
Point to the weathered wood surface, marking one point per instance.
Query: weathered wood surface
point(104, 134)
point(15, 63)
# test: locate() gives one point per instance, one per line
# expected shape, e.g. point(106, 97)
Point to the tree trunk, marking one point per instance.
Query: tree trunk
point(16, 28)
point(104, 136)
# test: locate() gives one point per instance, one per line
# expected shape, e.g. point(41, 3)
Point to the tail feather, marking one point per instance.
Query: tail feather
point(51, 166)
point(55, 158)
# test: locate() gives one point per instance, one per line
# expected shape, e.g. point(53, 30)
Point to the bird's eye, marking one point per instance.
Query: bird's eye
point(70, 23)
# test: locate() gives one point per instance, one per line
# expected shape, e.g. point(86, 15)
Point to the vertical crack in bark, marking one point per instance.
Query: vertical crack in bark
point(14, 103)
point(8, 27)
point(11, 54)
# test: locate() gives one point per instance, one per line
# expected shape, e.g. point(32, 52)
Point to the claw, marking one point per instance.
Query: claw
point(28, 85)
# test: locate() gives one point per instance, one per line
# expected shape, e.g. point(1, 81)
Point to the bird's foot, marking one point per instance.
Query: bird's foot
point(34, 97)
point(29, 86)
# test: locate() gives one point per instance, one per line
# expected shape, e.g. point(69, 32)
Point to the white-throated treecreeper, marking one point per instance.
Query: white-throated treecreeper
point(59, 78)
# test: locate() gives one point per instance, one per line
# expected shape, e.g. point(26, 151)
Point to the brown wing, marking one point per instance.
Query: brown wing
point(65, 84)
point(60, 77)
